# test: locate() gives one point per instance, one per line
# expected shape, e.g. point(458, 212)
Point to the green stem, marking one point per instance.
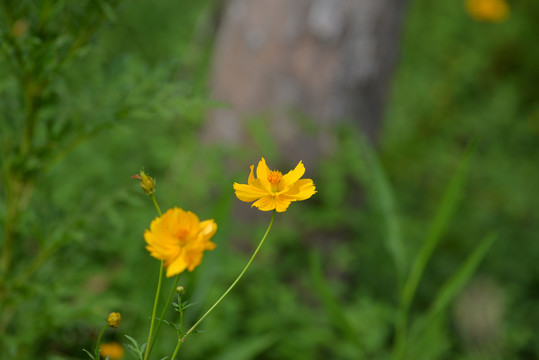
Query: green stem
point(157, 292)
point(231, 286)
point(152, 323)
point(160, 321)
point(177, 349)
point(179, 343)
point(156, 205)
point(98, 344)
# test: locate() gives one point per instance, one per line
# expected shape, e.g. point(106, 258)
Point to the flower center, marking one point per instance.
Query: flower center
point(274, 177)
point(182, 235)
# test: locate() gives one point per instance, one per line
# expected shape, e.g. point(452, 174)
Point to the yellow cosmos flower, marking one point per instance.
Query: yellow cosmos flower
point(273, 190)
point(179, 238)
point(112, 349)
point(488, 10)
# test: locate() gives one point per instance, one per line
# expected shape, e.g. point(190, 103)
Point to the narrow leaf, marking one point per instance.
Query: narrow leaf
point(132, 340)
point(438, 228)
point(89, 354)
point(452, 287)
point(381, 190)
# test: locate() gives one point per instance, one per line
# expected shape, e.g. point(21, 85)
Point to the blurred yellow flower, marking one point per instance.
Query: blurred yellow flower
point(273, 190)
point(488, 10)
point(114, 320)
point(112, 349)
point(179, 238)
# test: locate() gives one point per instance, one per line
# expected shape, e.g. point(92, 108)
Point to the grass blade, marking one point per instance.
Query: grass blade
point(381, 190)
point(438, 227)
point(452, 287)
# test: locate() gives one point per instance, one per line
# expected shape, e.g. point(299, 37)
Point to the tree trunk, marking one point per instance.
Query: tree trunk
point(298, 61)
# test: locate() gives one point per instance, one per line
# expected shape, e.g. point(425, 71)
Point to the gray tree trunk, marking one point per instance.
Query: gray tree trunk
point(299, 61)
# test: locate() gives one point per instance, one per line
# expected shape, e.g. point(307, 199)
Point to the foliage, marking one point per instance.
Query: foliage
point(91, 91)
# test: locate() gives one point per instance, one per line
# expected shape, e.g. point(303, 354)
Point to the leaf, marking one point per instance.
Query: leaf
point(438, 227)
point(381, 190)
point(132, 340)
point(134, 347)
point(89, 354)
point(452, 287)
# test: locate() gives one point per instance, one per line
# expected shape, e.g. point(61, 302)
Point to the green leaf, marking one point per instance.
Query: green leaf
point(132, 340)
point(438, 228)
point(381, 190)
point(134, 347)
point(452, 287)
point(89, 354)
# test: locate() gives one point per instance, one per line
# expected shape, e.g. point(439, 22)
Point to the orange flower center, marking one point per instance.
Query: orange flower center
point(274, 177)
point(182, 235)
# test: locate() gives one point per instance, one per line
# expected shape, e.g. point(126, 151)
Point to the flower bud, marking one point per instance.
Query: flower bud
point(114, 320)
point(180, 290)
point(147, 183)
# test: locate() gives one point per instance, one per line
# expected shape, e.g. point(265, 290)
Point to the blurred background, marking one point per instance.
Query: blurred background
point(417, 120)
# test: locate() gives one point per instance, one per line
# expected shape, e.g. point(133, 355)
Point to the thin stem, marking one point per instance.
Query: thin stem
point(162, 316)
point(152, 323)
point(177, 349)
point(157, 292)
point(179, 343)
point(156, 205)
point(233, 284)
point(96, 351)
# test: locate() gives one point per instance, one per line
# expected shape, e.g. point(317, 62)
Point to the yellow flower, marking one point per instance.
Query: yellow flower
point(273, 190)
point(488, 10)
point(179, 238)
point(112, 349)
point(114, 320)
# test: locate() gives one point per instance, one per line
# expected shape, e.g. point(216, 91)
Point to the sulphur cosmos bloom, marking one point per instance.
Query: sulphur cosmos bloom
point(488, 10)
point(179, 238)
point(272, 190)
point(112, 349)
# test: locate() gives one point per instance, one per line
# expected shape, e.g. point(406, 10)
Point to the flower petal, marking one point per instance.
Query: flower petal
point(281, 204)
point(267, 203)
point(176, 267)
point(207, 229)
point(262, 171)
point(292, 176)
point(248, 193)
point(300, 190)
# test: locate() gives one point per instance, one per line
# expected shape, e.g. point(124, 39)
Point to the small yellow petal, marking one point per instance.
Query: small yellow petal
point(262, 171)
point(293, 175)
point(176, 267)
point(247, 193)
point(301, 190)
point(281, 204)
point(265, 204)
